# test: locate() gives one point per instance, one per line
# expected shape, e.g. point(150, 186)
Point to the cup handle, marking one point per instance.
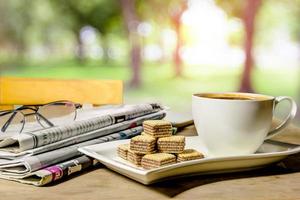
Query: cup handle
point(288, 119)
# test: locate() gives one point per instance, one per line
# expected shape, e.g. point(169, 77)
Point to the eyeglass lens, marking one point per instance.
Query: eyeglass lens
point(57, 113)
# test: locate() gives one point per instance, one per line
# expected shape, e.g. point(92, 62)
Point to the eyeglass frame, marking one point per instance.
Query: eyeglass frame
point(34, 108)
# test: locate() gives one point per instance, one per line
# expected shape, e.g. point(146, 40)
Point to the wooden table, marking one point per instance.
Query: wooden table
point(279, 181)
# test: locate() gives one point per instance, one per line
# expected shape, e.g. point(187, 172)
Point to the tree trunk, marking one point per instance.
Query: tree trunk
point(179, 43)
point(298, 98)
point(176, 19)
point(105, 47)
point(80, 54)
point(251, 9)
point(136, 65)
point(131, 21)
point(21, 48)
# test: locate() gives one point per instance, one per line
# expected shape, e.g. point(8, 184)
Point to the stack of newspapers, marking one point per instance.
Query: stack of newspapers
point(43, 156)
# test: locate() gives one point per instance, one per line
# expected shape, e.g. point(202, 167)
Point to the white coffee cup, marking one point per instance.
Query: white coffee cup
point(232, 124)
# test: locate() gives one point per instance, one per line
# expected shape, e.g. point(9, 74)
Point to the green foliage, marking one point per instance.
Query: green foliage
point(14, 22)
point(236, 38)
point(293, 20)
point(54, 24)
point(100, 14)
point(233, 8)
point(278, 17)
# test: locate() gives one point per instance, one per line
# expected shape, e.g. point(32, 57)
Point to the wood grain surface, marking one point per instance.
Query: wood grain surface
point(31, 91)
point(278, 181)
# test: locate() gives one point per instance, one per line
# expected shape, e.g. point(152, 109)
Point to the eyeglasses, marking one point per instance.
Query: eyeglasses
point(47, 115)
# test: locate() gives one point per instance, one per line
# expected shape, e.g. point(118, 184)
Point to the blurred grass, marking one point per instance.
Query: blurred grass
point(159, 84)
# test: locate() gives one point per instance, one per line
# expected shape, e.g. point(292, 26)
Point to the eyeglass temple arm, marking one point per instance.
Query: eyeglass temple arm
point(7, 123)
point(45, 119)
point(3, 113)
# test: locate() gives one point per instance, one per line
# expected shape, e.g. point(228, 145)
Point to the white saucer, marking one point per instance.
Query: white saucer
point(269, 152)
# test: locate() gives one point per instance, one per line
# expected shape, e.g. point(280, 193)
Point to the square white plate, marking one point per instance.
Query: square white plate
point(269, 152)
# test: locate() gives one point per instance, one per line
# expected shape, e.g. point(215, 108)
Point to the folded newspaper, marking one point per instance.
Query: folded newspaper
point(23, 155)
point(66, 168)
point(56, 172)
point(30, 140)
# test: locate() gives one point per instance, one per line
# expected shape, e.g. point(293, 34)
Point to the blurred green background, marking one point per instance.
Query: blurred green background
point(164, 50)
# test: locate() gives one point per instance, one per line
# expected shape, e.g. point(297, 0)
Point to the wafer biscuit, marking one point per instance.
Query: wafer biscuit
point(143, 144)
point(123, 150)
point(189, 154)
point(158, 159)
point(173, 144)
point(158, 128)
point(144, 133)
point(159, 134)
point(157, 123)
point(134, 158)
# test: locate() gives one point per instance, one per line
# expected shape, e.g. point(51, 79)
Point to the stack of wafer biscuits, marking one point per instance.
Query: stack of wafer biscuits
point(123, 150)
point(134, 158)
point(157, 137)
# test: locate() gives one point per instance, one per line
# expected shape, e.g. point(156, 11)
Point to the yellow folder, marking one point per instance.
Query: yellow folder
point(32, 91)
